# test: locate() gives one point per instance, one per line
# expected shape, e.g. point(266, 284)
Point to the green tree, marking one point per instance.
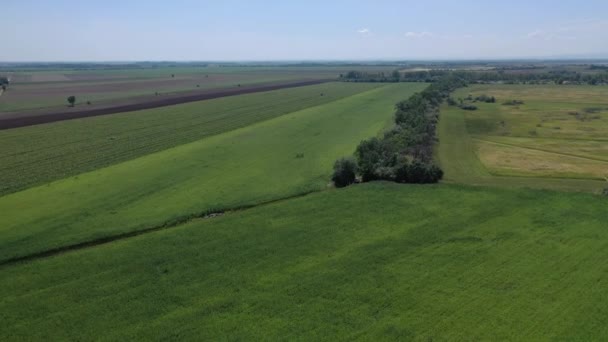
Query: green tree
point(396, 75)
point(344, 172)
point(72, 100)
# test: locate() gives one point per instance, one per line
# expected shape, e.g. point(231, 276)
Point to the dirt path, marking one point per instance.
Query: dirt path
point(36, 118)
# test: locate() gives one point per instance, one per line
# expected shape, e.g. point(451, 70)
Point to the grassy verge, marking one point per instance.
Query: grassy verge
point(378, 261)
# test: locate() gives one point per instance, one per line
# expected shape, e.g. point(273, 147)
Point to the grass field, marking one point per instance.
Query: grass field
point(285, 156)
point(375, 262)
point(556, 139)
point(39, 154)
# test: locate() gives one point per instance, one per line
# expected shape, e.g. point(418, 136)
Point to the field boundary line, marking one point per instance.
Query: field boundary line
point(541, 150)
point(173, 223)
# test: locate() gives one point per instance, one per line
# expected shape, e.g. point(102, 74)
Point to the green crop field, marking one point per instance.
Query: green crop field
point(49, 89)
point(43, 153)
point(373, 262)
point(556, 139)
point(217, 220)
point(285, 156)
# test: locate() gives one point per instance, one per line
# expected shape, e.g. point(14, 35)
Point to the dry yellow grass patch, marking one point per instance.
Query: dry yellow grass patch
point(508, 160)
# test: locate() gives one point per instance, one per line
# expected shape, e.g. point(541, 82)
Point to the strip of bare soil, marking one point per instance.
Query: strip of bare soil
point(29, 119)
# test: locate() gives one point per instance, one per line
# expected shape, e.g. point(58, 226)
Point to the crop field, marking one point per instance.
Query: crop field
point(218, 219)
point(37, 95)
point(289, 155)
point(36, 90)
point(556, 138)
point(378, 261)
point(43, 153)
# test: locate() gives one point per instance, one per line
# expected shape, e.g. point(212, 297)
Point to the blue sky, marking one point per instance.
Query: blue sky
point(60, 30)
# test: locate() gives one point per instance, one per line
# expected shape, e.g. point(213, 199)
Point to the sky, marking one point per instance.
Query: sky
point(231, 30)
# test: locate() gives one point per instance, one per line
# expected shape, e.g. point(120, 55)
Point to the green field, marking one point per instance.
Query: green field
point(373, 262)
point(556, 139)
point(288, 155)
point(121, 204)
point(49, 89)
point(43, 153)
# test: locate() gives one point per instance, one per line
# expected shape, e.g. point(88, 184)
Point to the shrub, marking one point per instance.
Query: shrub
point(344, 172)
point(485, 98)
point(513, 103)
point(372, 155)
point(418, 172)
point(468, 107)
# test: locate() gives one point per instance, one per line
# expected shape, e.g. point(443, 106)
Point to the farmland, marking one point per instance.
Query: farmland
point(375, 261)
point(42, 91)
point(285, 156)
point(43, 153)
point(555, 139)
point(218, 220)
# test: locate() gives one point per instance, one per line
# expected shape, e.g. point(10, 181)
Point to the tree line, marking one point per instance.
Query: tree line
point(553, 76)
point(403, 154)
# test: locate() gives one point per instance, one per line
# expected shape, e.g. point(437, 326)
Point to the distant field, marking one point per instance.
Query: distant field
point(50, 89)
point(558, 138)
point(40, 154)
point(373, 262)
point(288, 155)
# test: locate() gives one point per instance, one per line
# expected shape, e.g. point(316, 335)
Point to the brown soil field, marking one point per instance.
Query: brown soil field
point(22, 119)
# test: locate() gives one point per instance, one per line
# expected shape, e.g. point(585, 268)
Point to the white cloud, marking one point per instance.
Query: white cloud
point(364, 31)
point(422, 34)
point(570, 30)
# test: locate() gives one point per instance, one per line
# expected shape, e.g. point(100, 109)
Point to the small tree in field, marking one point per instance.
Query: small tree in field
point(396, 75)
point(72, 100)
point(344, 172)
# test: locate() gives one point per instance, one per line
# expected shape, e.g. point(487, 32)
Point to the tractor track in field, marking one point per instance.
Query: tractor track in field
point(31, 119)
point(175, 223)
point(527, 147)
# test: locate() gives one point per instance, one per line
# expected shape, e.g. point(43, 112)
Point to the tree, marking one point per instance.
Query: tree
point(396, 75)
point(344, 172)
point(72, 100)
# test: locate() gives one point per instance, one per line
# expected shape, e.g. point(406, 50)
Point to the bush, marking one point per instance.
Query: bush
point(513, 103)
point(468, 107)
point(373, 155)
point(485, 98)
point(344, 172)
point(418, 172)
